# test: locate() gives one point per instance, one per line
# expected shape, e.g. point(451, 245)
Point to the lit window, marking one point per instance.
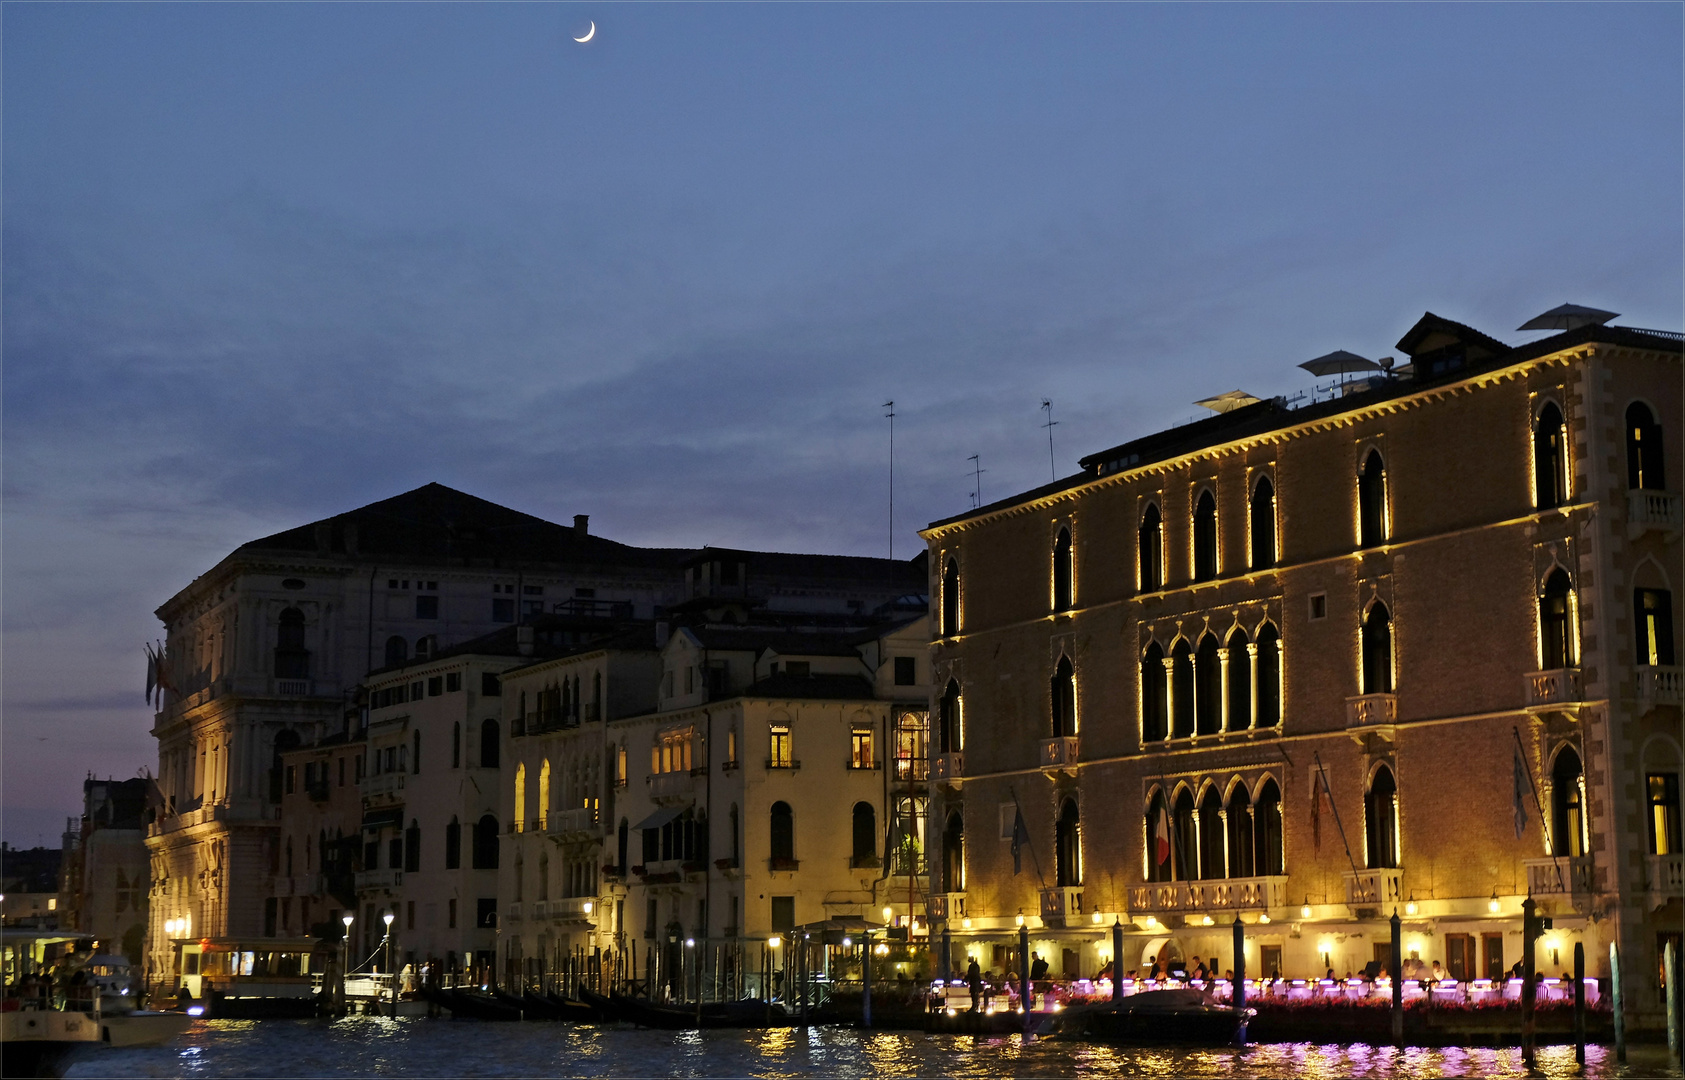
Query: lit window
point(1550, 458)
point(1205, 536)
point(860, 749)
point(780, 756)
point(1664, 813)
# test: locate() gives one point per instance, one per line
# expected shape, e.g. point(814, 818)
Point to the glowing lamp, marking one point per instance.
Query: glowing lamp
point(1410, 908)
point(888, 914)
point(1096, 918)
point(1020, 919)
point(1264, 918)
point(387, 919)
point(847, 942)
point(1208, 920)
point(966, 922)
point(774, 941)
point(1493, 905)
point(1305, 912)
point(1151, 921)
point(348, 919)
point(588, 906)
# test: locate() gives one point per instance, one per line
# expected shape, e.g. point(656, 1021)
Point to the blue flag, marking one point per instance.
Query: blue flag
point(1020, 837)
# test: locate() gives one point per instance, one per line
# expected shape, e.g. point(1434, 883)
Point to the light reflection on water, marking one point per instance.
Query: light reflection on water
point(381, 1047)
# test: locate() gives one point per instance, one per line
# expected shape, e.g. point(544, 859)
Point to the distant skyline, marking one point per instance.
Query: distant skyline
point(266, 263)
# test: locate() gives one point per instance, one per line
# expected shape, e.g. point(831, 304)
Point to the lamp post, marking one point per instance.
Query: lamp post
point(391, 957)
point(345, 963)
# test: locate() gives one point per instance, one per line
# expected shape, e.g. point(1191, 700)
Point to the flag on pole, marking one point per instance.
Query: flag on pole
point(151, 674)
point(1521, 785)
point(1161, 836)
point(1020, 837)
point(1316, 811)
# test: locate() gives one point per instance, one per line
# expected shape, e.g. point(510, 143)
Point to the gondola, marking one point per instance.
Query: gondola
point(1156, 1017)
point(472, 1005)
point(578, 1011)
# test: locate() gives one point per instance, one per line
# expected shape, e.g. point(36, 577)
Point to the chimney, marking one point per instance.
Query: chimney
point(580, 523)
point(524, 639)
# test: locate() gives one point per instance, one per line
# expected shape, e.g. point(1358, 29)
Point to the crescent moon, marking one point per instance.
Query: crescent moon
point(589, 34)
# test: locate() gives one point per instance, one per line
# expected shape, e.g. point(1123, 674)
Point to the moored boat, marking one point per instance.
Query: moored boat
point(1158, 1016)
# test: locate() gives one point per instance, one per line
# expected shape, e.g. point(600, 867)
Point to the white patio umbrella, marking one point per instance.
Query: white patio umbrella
point(1568, 317)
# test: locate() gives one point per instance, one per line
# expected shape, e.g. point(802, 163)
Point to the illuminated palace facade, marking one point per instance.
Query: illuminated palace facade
point(1410, 649)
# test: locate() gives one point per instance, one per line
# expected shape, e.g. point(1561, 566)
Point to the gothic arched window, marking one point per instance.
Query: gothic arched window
point(1063, 572)
point(1150, 553)
point(1550, 458)
point(1242, 860)
point(1377, 651)
point(1155, 686)
point(1269, 677)
point(951, 598)
point(1372, 501)
point(1208, 687)
point(1643, 449)
point(1240, 681)
point(485, 843)
point(1263, 524)
point(1556, 623)
point(1181, 690)
point(1205, 536)
point(1568, 826)
point(1064, 699)
point(1067, 848)
point(1380, 820)
point(953, 853)
point(1211, 861)
point(948, 717)
point(1266, 830)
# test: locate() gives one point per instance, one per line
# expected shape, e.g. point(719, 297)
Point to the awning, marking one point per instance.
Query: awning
point(379, 819)
point(660, 817)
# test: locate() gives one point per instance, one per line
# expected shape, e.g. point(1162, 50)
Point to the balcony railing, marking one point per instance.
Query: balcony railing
point(950, 767)
point(1061, 904)
point(1371, 711)
point(945, 905)
point(1060, 753)
point(580, 821)
point(671, 786)
point(1557, 687)
point(1368, 888)
point(567, 909)
point(778, 862)
point(1558, 876)
point(382, 784)
point(292, 687)
point(1660, 685)
point(1664, 878)
point(379, 879)
point(1217, 895)
point(1652, 510)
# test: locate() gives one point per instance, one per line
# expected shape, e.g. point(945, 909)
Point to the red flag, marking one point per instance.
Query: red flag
point(1161, 836)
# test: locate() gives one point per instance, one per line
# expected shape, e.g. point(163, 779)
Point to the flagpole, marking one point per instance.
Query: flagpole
point(1527, 769)
point(1322, 772)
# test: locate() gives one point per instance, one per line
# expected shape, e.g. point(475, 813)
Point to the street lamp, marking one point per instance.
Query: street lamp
point(345, 960)
point(391, 959)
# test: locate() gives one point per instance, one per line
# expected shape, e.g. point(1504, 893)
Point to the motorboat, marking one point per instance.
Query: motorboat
point(1158, 1016)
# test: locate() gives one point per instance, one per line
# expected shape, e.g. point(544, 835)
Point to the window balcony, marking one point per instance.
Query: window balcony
point(381, 785)
point(1660, 685)
point(1373, 888)
point(580, 823)
point(1371, 712)
point(949, 905)
point(1061, 905)
point(1059, 755)
point(670, 787)
point(783, 763)
point(379, 879)
point(1559, 876)
point(1558, 687)
point(1659, 510)
point(292, 687)
point(1215, 896)
point(780, 863)
point(1664, 878)
point(950, 768)
point(573, 909)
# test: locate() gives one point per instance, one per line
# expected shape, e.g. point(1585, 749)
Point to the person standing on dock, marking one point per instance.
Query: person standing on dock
point(974, 981)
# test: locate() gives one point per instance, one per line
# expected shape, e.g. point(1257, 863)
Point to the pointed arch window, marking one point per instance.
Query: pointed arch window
point(1556, 623)
point(1372, 501)
point(1240, 659)
point(1270, 860)
point(1067, 847)
point(1181, 690)
point(1569, 830)
point(1377, 651)
point(1155, 689)
point(1064, 699)
point(1550, 458)
point(1205, 536)
point(1212, 864)
point(949, 733)
point(1643, 449)
point(544, 795)
point(1268, 677)
point(1150, 551)
point(1654, 636)
point(951, 598)
point(1063, 572)
point(1263, 524)
point(953, 853)
point(1242, 859)
point(1208, 687)
point(1380, 820)
point(520, 796)
point(1184, 841)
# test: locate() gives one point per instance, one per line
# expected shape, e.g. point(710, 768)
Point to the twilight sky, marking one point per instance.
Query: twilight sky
point(264, 263)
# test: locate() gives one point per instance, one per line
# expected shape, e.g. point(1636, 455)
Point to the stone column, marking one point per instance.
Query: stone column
point(1252, 660)
point(1223, 823)
point(1223, 688)
point(1169, 697)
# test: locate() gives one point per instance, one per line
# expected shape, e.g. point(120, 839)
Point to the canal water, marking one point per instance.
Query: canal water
point(383, 1047)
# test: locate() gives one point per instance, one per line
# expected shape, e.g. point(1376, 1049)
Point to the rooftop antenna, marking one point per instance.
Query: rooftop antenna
point(977, 474)
point(1047, 407)
point(890, 405)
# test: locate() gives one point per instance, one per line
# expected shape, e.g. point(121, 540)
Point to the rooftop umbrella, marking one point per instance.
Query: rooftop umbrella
point(1339, 362)
point(1568, 317)
point(1229, 402)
